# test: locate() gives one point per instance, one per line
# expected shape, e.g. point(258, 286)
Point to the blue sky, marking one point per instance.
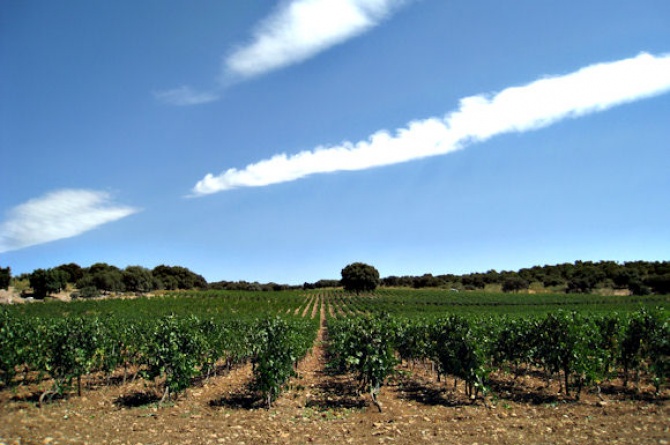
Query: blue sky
point(282, 141)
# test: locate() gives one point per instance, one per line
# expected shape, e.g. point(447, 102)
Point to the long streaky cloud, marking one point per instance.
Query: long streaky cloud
point(516, 109)
point(296, 31)
point(303, 28)
point(57, 215)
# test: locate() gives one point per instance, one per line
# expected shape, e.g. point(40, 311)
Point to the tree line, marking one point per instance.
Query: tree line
point(103, 278)
point(637, 277)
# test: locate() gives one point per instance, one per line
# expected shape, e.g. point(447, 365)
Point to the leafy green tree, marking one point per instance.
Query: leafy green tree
point(514, 283)
point(47, 281)
point(426, 280)
point(623, 277)
point(5, 277)
point(138, 279)
point(109, 281)
point(584, 278)
point(101, 267)
point(73, 270)
point(360, 277)
point(86, 288)
point(659, 284)
point(553, 279)
point(177, 277)
point(325, 283)
point(474, 281)
point(638, 287)
point(102, 277)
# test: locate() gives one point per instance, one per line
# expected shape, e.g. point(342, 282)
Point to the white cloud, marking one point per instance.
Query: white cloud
point(185, 95)
point(302, 28)
point(516, 109)
point(294, 32)
point(57, 215)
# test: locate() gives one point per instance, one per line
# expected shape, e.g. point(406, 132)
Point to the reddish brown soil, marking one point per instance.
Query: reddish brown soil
point(323, 409)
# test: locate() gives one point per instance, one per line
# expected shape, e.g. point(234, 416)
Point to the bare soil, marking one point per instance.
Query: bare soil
point(10, 296)
point(319, 408)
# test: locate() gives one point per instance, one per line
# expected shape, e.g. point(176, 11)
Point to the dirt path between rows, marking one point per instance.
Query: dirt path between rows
point(319, 408)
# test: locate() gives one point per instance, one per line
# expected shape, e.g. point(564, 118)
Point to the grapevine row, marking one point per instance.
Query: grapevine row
point(583, 349)
point(170, 350)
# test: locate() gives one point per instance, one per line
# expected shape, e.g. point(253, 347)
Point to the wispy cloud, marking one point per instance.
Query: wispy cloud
point(478, 118)
point(57, 215)
point(186, 95)
point(301, 29)
point(294, 32)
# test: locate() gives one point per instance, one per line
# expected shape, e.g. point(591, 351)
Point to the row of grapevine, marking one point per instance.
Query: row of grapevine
point(427, 302)
point(583, 349)
point(169, 350)
point(204, 304)
point(278, 347)
point(363, 346)
point(348, 305)
point(588, 349)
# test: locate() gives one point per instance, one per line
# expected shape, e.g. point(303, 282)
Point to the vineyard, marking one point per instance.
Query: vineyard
point(464, 349)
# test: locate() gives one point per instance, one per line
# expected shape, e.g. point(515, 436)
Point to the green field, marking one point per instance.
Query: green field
point(439, 302)
point(174, 338)
point(397, 301)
